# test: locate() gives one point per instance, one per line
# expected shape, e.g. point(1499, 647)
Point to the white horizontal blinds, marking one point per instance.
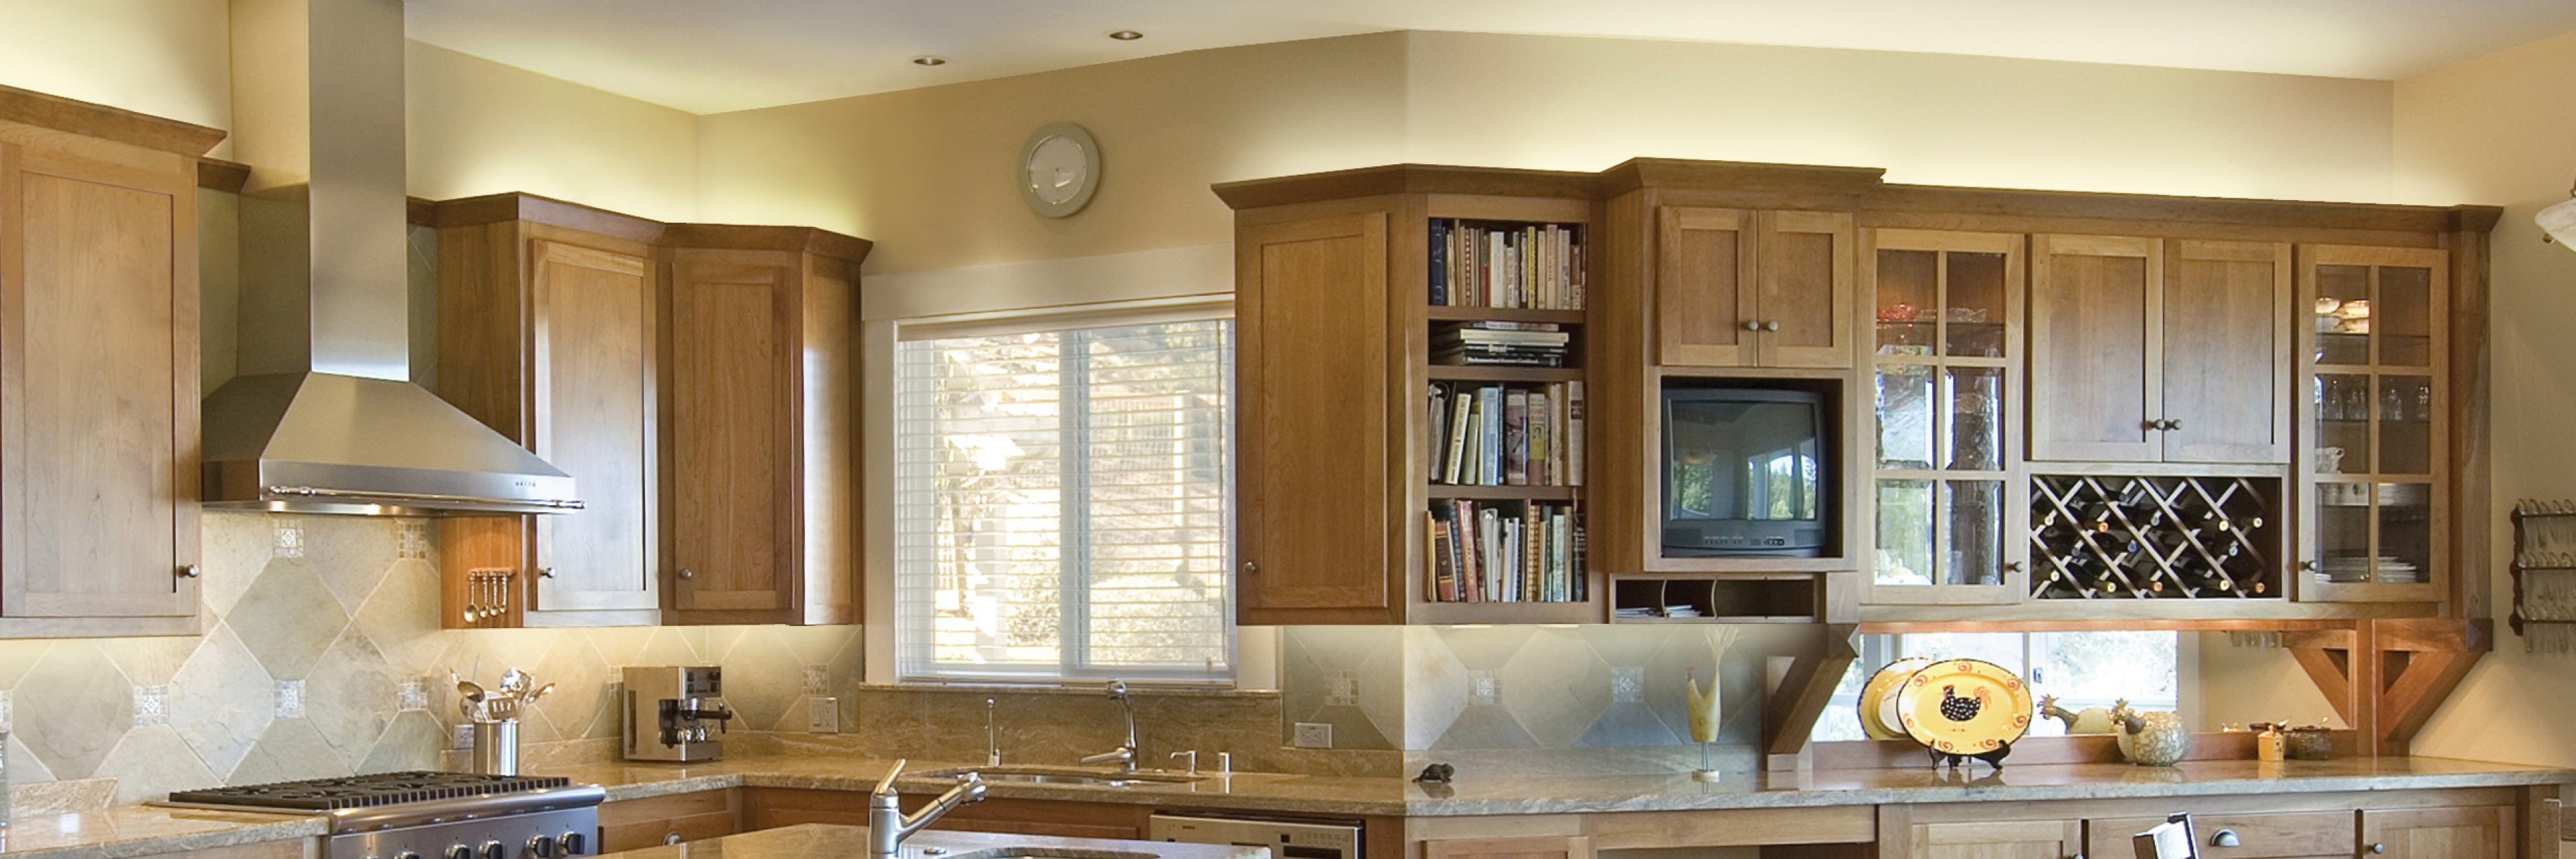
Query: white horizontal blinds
point(1063, 503)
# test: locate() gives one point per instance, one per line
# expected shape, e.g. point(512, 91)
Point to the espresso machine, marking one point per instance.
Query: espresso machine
point(674, 713)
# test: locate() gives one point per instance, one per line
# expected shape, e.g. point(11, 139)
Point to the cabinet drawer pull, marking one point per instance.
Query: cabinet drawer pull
point(2226, 838)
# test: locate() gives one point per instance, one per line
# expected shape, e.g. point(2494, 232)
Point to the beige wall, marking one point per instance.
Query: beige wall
point(2499, 129)
point(927, 173)
point(480, 127)
point(167, 58)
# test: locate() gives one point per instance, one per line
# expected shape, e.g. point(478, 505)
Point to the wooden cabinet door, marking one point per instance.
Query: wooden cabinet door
point(1317, 441)
point(593, 351)
point(2096, 372)
point(2227, 359)
point(2437, 833)
point(98, 388)
point(1533, 847)
point(1704, 288)
point(1803, 267)
point(733, 474)
point(2035, 839)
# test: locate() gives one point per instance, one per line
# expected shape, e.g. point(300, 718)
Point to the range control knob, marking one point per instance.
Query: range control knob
point(572, 843)
point(542, 847)
point(460, 851)
point(495, 850)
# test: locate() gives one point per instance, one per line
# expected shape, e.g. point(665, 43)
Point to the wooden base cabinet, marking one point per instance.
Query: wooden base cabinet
point(2020, 839)
point(2449, 833)
point(1534, 847)
point(760, 475)
point(636, 824)
point(99, 448)
point(547, 333)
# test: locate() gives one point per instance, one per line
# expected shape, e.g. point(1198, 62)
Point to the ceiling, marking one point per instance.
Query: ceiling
point(711, 56)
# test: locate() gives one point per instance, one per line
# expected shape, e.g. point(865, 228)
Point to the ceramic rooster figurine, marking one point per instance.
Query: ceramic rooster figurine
point(2092, 720)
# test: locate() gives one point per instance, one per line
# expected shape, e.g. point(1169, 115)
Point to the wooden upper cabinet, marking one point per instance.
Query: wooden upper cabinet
point(2479, 832)
point(99, 447)
point(2227, 359)
point(547, 333)
point(2148, 350)
point(760, 397)
point(1753, 289)
point(2096, 377)
point(1317, 439)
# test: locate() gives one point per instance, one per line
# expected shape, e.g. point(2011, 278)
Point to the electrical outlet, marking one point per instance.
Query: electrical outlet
point(823, 714)
point(1314, 735)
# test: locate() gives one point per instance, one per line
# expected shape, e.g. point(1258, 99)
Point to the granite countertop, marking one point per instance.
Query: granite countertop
point(1471, 795)
point(816, 840)
point(147, 830)
point(138, 830)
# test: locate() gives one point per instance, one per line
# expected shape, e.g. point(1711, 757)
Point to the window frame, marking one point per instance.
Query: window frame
point(1074, 667)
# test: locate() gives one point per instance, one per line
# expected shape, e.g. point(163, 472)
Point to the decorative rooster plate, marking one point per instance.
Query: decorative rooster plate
point(1965, 708)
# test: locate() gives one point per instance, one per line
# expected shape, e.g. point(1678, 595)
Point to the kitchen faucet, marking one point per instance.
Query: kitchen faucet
point(1124, 756)
point(887, 825)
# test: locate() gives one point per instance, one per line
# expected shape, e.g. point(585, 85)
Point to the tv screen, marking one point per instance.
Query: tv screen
point(1744, 473)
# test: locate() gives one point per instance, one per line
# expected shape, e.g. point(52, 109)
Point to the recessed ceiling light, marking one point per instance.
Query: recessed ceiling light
point(929, 60)
point(1126, 35)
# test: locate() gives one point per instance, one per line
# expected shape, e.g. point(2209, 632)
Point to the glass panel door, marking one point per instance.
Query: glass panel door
point(1945, 309)
point(2377, 450)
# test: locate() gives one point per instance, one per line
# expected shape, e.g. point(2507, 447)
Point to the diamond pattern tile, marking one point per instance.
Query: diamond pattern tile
point(288, 618)
point(72, 708)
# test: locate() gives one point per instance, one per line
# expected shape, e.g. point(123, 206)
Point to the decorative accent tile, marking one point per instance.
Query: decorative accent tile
point(413, 695)
point(290, 699)
point(1628, 684)
point(1341, 689)
point(290, 538)
point(151, 705)
point(8, 718)
point(1484, 686)
point(815, 684)
point(412, 542)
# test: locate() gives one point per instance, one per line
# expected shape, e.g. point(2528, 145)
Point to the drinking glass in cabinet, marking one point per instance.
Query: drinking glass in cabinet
point(1905, 524)
point(2343, 407)
point(1974, 551)
point(2342, 315)
point(2404, 317)
point(2405, 425)
point(1976, 432)
point(1974, 307)
point(1908, 302)
point(1905, 416)
point(2405, 533)
point(2343, 532)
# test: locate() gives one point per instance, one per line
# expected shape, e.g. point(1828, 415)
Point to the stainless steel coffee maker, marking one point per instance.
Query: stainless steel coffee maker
point(669, 711)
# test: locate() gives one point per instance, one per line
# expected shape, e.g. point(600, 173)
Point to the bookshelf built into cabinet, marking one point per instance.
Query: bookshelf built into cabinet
point(1714, 598)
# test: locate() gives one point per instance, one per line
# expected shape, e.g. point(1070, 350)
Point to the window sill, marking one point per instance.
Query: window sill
point(1087, 690)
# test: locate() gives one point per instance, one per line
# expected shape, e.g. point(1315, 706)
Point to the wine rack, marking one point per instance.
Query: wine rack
point(2096, 537)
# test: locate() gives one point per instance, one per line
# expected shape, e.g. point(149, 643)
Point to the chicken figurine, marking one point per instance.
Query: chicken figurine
point(2091, 720)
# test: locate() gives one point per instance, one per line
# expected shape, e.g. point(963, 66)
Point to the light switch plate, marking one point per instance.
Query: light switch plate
point(1314, 735)
point(823, 714)
point(461, 736)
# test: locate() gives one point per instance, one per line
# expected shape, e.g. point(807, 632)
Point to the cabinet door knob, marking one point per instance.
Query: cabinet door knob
point(545, 572)
point(2307, 566)
point(2174, 424)
point(672, 837)
point(2226, 838)
point(191, 571)
point(1752, 325)
point(1773, 325)
point(688, 574)
point(2012, 566)
point(1251, 569)
point(2378, 848)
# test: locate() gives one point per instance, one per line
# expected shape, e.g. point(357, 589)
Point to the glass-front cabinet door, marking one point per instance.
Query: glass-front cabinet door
point(2375, 364)
point(1945, 327)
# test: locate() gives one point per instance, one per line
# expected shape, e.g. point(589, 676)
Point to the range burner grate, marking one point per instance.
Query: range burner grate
point(367, 791)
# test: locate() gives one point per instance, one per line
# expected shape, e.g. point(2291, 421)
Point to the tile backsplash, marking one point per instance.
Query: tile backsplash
point(323, 656)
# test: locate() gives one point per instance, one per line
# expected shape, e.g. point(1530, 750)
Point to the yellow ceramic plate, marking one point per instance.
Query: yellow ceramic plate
point(1964, 706)
point(1878, 718)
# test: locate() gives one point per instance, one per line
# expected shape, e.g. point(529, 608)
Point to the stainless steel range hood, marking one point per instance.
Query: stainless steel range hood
point(325, 418)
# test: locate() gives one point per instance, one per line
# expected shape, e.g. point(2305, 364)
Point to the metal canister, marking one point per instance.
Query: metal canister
point(496, 747)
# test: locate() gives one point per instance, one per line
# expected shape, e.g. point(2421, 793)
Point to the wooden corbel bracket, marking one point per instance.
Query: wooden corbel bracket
point(2386, 677)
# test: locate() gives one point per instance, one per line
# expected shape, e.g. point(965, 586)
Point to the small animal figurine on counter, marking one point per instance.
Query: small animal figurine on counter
point(2092, 720)
point(2156, 739)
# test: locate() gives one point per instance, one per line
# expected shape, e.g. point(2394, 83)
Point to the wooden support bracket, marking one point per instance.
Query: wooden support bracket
point(1789, 713)
point(2386, 677)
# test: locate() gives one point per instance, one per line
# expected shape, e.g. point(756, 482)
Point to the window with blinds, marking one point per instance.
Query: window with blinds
point(1063, 503)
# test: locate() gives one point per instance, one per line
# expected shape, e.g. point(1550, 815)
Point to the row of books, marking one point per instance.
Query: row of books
point(1512, 552)
point(1500, 344)
point(1532, 266)
point(1506, 435)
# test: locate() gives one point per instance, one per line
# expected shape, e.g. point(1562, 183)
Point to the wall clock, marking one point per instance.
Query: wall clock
point(1059, 169)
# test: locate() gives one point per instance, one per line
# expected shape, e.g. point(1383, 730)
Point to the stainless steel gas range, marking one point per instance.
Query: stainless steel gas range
point(431, 815)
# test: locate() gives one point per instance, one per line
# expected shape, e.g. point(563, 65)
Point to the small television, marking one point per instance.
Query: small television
point(1744, 473)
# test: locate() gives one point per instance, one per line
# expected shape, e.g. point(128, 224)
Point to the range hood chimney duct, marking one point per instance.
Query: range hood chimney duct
point(325, 418)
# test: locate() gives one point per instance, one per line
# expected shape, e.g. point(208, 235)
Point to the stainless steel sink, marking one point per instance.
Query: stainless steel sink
point(1065, 776)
